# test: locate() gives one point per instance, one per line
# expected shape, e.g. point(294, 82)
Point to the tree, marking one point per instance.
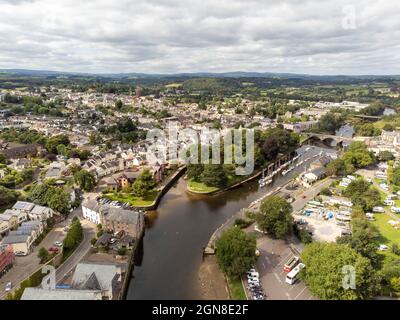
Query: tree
point(396, 176)
point(388, 127)
point(85, 179)
point(385, 156)
point(43, 255)
point(325, 269)
point(118, 104)
point(143, 184)
point(363, 194)
point(358, 155)
point(37, 194)
point(275, 217)
point(3, 159)
point(235, 252)
point(74, 236)
point(214, 175)
point(58, 200)
point(7, 196)
point(367, 130)
point(363, 239)
point(53, 142)
point(330, 122)
point(194, 171)
point(336, 167)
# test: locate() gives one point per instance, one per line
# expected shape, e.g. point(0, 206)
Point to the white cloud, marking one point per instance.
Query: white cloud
point(189, 36)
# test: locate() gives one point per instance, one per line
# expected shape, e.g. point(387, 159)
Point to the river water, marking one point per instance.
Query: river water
point(177, 232)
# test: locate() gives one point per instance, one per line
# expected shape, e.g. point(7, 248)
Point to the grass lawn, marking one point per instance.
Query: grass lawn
point(388, 234)
point(203, 188)
point(236, 289)
point(132, 200)
point(200, 187)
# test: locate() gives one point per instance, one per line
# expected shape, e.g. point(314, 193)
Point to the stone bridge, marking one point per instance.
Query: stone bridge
point(328, 139)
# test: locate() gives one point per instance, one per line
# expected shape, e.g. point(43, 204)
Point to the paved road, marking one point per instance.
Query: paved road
point(310, 193)
point(79, 253)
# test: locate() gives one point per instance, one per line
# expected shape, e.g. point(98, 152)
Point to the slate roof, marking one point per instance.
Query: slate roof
point(60, 294)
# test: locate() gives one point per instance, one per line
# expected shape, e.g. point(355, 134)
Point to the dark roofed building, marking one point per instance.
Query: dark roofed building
point(17, 151)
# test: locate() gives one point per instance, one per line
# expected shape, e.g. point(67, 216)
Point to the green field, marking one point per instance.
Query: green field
point(132, 200)
point(388, 234)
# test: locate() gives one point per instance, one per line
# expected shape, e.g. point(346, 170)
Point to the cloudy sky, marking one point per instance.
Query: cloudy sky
point(170, 36)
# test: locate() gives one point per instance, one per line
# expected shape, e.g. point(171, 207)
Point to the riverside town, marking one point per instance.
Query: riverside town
point(202, 158)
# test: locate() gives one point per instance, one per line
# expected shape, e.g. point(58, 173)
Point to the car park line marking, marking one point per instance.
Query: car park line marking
point(268, 260)
point(300, 293)
point(288, 295)
point(277, 277)
point(284, 259)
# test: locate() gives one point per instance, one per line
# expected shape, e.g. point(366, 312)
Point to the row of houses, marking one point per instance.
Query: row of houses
point(114, 219)
point(20, 233)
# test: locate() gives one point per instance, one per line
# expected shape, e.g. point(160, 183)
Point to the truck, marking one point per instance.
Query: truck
point(291, 277)
point(291, 263)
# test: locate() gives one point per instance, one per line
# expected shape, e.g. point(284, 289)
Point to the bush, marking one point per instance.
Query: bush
point(396, 249)
point(122, 251)
point(242, 223)
point(302, 234)
point(326, 192)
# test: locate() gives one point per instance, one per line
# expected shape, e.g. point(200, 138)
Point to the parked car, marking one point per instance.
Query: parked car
point(54, 249)
point(58, 244)
point(20, 253)
point(8, 286)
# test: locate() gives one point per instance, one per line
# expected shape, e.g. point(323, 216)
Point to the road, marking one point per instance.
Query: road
point(79, 253)
point(310, 193)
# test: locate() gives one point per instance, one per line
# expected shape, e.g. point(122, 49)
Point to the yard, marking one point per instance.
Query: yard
point(132, 200)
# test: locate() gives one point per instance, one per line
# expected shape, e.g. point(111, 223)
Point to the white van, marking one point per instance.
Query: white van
point(378, 209)
point(291, 277)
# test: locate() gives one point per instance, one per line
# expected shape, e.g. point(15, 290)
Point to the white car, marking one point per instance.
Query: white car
point(8, 286)
point(58, 243)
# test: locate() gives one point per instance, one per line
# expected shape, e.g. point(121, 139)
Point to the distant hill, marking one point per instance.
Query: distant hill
point(236, 74)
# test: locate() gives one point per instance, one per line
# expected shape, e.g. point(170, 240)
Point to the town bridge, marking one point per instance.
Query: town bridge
point(328, 139)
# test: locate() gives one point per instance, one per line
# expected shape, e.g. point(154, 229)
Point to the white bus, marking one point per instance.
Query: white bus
point(291, 277)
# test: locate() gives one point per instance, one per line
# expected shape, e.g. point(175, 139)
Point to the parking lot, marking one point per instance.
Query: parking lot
point(273, 255)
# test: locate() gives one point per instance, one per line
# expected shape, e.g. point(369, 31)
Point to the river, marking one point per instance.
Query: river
point(177, 232)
